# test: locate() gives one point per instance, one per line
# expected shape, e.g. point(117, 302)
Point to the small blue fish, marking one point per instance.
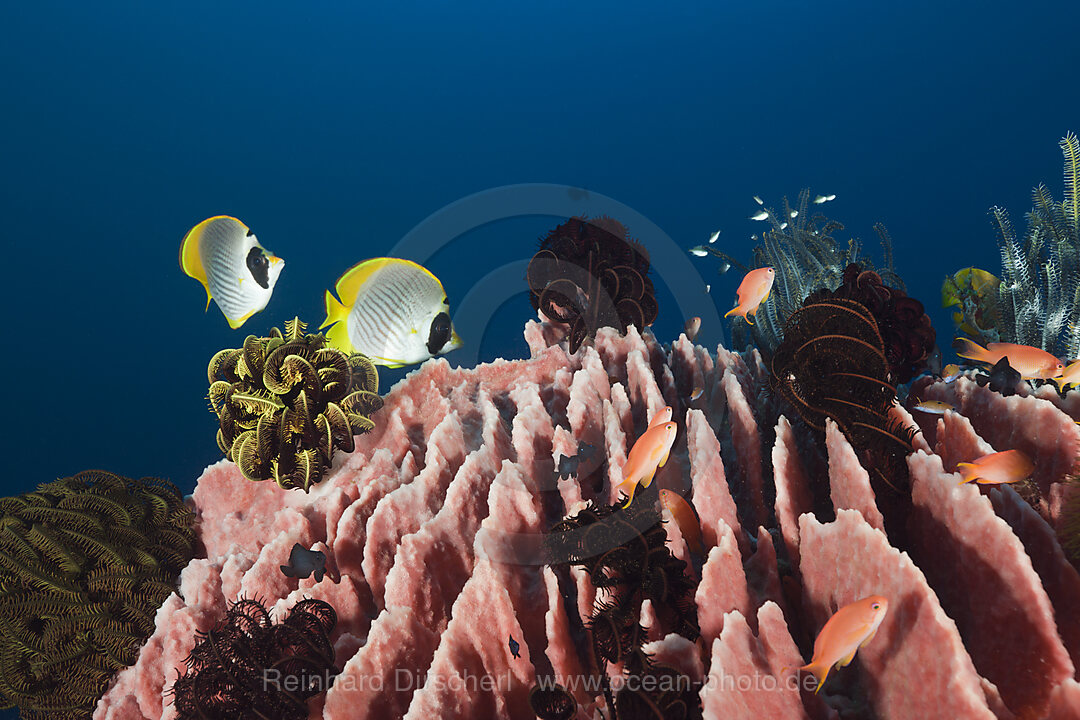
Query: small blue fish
point(304, 562)
point(514, 647)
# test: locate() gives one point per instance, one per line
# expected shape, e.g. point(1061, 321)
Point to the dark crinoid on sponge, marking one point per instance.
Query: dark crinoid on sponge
point(589, 274)
point(906, 333)
point(832, 365)
point(249, 667)
point(287, 402)
point(85, 562)
point(624, 551)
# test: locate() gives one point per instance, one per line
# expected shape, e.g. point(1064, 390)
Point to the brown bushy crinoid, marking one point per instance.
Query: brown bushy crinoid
point(285, 403)
point(906, 333)
point(85, 562)
point(589, 274)
point(832, 364)
point(249, 667)
point(625, 553)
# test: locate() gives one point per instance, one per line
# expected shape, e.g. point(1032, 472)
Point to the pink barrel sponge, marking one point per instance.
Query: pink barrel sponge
point(433, 526)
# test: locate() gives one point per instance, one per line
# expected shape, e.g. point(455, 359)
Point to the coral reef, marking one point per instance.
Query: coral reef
point(435, 525)
point(249, 667)
point(1039, 296)
point(85, 562)
point(806, 256)
point(287, 402)
point(588, 274)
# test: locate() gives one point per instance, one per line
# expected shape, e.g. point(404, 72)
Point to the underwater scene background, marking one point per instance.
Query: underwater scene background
point(457, 135)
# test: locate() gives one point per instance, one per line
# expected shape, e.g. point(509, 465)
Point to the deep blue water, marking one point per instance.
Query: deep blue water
point(335, 129)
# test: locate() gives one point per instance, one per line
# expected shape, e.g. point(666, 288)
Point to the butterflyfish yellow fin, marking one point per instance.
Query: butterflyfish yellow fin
point(664, 458)
point(732, 311)
point(647, 480)
point(191, 260)
point(234, 324)
point(846, 660)
point(338, 335)
point(335, 311)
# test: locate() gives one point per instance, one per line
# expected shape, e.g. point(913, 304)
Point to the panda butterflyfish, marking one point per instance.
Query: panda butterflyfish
point(238, 273)
point(392, 310)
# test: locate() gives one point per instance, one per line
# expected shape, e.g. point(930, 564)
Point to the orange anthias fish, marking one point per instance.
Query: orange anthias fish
point(753, 291)
point(996, 468)
point(649, 453)
point(851, 627)
point(685, 518)
point(1031, 362)
point(1070, 376)
point(692, 328)
point(661, 417)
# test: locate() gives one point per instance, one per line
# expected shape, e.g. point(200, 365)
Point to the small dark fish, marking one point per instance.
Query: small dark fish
point(1002, 378)
point(568, 466)
point(724, 267)
point(514, 647)
point(304, 562)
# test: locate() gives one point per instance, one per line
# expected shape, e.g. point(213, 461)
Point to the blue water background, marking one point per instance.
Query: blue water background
point(333, 129)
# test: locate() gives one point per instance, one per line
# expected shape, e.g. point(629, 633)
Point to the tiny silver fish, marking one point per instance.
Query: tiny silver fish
point(724, 267)
point(699, 251)
point(713, 237)
point(760, 215)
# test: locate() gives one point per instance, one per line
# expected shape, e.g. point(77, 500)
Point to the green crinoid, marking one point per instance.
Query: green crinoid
point(85, 562)
point(286, 402)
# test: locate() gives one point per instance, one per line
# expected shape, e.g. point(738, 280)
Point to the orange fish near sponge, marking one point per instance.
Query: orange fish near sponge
point(996, 468)
point(753, 291)
point(649, 453)
point(851, 627)
point(1031, 362)
point(685, 518)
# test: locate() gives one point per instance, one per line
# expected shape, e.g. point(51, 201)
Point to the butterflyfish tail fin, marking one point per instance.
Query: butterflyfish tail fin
point(338, 337)
point(335, 311)
point(191, 259)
